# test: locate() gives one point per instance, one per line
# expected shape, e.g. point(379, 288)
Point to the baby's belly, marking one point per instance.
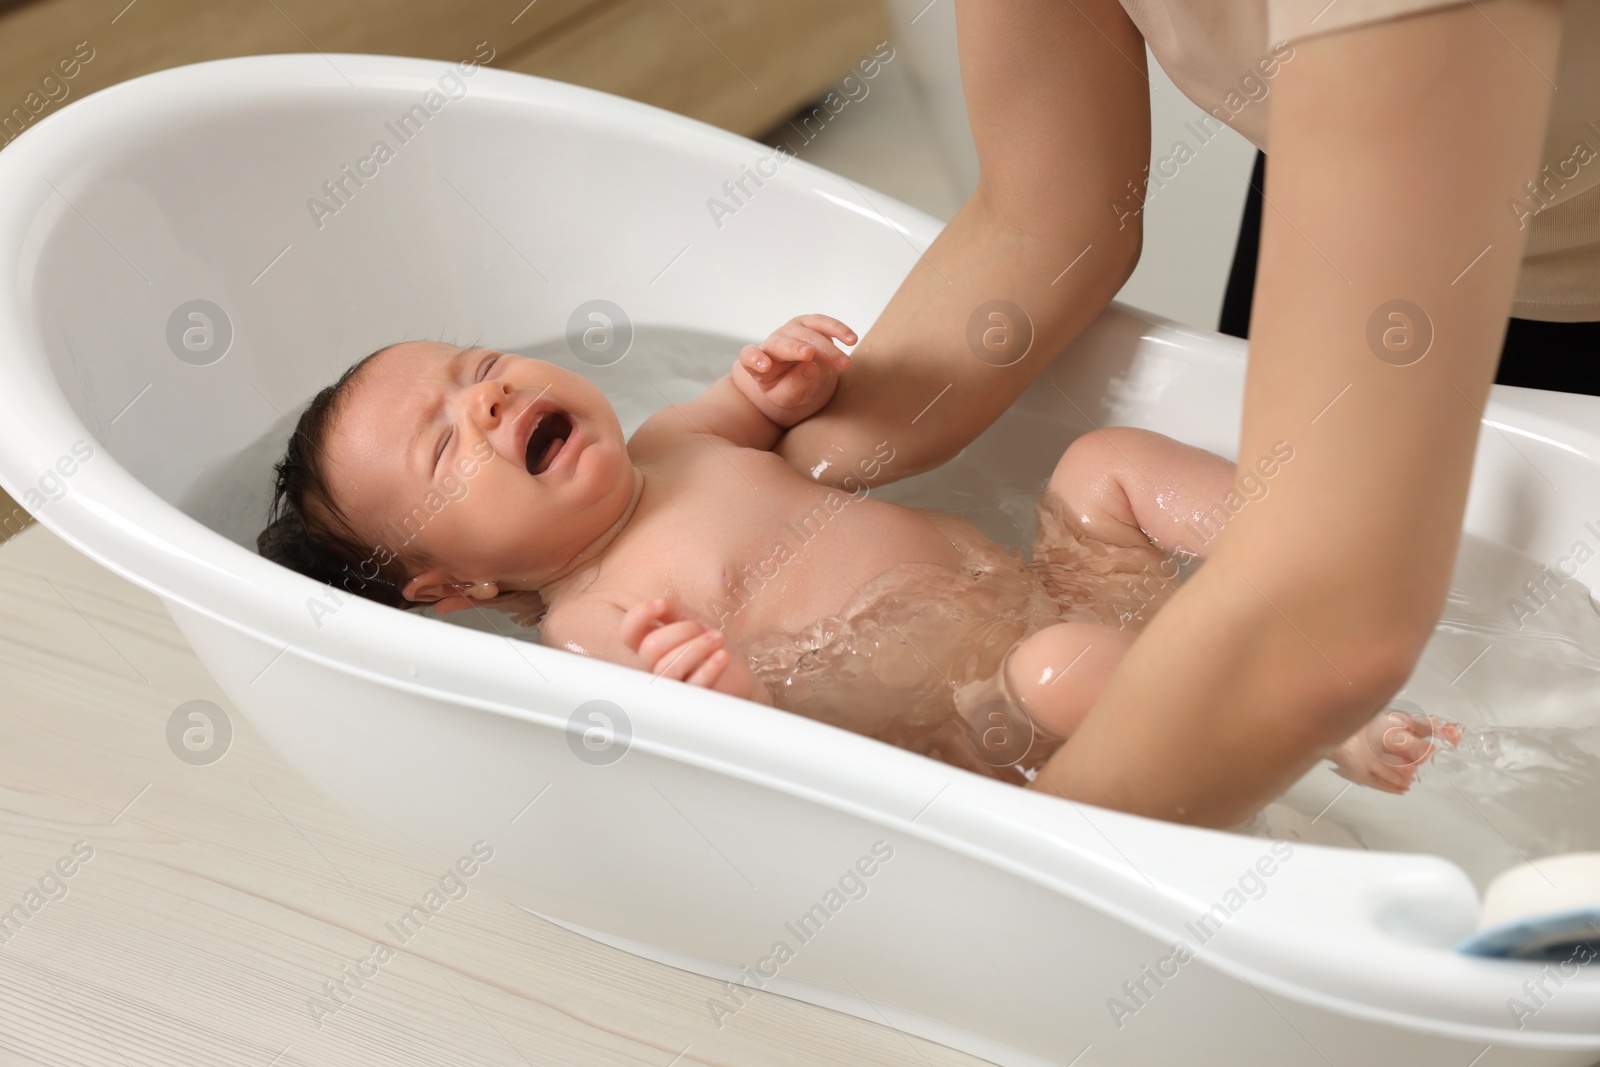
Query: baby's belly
point(887, 663)
point(888, 660)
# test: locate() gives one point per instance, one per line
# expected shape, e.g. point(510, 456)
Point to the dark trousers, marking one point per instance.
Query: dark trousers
point(1564, 356)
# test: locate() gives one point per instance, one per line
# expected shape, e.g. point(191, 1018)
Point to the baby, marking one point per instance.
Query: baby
point(693, 551)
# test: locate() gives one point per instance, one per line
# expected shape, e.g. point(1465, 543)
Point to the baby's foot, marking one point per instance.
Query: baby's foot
point(1386, 753)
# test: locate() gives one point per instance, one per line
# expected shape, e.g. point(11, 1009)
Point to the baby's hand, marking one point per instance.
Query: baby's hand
point(797, 368)
point(674, 643)
point(1386, 753)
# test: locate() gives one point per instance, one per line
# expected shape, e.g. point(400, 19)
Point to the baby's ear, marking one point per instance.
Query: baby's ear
point(445, 594)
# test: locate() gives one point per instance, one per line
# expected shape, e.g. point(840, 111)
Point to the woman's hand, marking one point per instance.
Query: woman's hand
point(674, 643)
point(796, 369)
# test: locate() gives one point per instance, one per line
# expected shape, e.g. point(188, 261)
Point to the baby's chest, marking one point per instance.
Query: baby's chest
point(756, 545)
point(730, 507)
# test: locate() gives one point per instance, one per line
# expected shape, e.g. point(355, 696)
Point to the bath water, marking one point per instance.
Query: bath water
point(1524, 781)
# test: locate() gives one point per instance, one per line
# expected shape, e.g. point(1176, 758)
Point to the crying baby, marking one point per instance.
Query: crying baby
point(693, 551)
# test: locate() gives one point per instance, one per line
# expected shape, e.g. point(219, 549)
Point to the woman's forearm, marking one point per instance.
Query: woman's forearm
point(917, 383)
point(1222, 703)
point(1059, 104)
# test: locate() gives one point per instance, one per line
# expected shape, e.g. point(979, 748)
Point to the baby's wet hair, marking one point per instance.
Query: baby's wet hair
point(306, 529)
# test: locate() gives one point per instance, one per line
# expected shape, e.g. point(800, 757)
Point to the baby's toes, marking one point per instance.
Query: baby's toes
point(1403, 747)
point(1406, 739)
point(1365, 769)
point(1377, 772)
point(1450, 731)
point(1394, 777)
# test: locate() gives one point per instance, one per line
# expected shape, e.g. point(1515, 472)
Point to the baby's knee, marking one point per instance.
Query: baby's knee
point(1099, 451)
point(1088, 484)
point(1057, 674)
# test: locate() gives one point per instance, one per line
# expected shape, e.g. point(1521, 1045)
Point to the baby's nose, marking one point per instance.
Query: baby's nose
point(492, 401)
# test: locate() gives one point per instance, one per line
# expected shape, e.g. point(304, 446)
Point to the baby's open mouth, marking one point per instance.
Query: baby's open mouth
point(548, 437)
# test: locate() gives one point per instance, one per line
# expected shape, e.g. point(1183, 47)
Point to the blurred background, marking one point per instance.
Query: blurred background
point(904, 131)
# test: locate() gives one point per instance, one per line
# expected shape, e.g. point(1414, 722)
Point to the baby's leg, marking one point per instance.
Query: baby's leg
point(1139, 489)
point(1136, 491)
point(1055, 675)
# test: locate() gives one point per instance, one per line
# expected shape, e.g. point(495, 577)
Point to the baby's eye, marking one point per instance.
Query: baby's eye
point(483, 371)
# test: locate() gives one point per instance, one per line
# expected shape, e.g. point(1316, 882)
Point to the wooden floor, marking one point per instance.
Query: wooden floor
point(204, 907)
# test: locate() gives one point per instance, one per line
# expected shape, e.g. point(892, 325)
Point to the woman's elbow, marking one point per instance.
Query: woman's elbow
point(1371, 667)
point(1332, 652)
point(1128, 249)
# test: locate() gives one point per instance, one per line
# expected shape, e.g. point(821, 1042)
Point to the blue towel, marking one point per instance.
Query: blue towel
point(1554, 936)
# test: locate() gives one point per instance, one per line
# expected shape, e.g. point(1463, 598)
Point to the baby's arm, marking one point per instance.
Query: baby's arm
point(787, 379)
point(659, 636)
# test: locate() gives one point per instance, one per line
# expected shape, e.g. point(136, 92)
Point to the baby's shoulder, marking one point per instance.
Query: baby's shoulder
point(672, 433)
point(662, 434)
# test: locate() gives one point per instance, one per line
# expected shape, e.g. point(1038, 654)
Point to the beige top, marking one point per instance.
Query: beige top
point(1223, 54)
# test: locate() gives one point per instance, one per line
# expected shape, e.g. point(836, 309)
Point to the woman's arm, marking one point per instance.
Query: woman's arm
point(1060, 110)
point(1396, 148)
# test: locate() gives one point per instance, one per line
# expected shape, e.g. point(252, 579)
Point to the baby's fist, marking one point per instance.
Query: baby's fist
point(675, 644)
point(798, 365)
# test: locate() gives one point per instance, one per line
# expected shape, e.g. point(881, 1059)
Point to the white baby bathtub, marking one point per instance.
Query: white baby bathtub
point(995, 920)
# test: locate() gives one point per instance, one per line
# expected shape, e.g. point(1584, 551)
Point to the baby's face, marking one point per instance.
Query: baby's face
point(500, 468)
